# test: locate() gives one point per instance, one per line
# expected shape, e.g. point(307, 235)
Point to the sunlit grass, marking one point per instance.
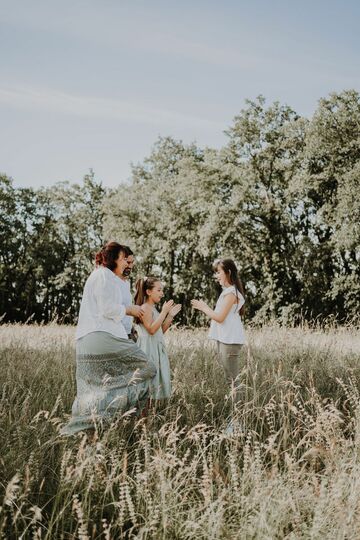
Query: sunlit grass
point(293, 471)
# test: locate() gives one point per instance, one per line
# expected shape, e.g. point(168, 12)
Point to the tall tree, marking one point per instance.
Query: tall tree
point(330, 185)
point(47, 240)
point(280, 198)
point(264, 153)
point(157, 217)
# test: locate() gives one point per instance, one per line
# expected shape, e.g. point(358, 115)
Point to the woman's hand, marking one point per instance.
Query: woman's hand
point(135, 311)
point(167, 306)
point(174, 310)
point(200, 305)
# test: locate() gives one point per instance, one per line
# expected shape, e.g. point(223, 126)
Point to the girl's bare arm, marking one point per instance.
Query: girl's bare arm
point(218, 316)
point(152, 326)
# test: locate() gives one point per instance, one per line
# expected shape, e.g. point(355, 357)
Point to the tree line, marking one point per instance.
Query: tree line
point(281, 197)
point(47, 238)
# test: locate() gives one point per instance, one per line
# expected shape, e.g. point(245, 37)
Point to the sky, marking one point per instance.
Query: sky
point(88, 84)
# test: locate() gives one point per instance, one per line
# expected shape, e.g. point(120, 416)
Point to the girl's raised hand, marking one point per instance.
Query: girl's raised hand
point(167, 306)
point(174, 310)
point(199, 304)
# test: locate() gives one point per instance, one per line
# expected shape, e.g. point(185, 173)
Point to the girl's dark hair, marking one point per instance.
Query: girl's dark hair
point(233, 277)
point(109, 253)
point(141, 286)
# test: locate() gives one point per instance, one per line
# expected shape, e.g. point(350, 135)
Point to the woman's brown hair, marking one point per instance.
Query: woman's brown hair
point(109, 254)
point(233, 278)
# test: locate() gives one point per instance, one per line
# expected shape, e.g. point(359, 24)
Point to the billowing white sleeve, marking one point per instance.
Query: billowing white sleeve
point(109, 300)
point(239, 296)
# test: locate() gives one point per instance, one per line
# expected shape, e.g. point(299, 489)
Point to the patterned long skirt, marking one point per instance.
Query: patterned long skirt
point(113, 375)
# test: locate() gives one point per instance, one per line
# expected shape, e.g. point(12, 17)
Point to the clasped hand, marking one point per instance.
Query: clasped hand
point(170, 308)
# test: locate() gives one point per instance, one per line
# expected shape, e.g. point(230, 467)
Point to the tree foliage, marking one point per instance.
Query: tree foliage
point(280, 197)
point(47, 239)
point(276, 198)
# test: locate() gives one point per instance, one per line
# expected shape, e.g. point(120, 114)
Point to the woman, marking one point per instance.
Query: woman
point(226, 326)
point(112, 373)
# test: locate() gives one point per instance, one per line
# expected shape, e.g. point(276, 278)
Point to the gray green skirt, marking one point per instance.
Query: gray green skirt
point(113, 376)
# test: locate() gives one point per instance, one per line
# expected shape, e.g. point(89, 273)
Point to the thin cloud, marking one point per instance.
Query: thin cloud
point(129, 33)
point(95, 107)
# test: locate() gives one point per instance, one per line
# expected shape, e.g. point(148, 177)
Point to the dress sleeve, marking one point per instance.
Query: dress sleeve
point(229, 290)
point(109, 299)
point(232, 290)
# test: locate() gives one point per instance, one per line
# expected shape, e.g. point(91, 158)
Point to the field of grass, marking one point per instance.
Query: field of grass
point(292, 472)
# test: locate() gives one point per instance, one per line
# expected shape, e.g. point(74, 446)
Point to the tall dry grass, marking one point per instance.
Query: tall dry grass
point(293, 471)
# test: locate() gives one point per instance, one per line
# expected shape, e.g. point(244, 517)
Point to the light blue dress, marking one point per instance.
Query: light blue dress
point(154, 348)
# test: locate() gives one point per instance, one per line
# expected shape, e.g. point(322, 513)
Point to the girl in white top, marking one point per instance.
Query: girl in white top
point(226, 324)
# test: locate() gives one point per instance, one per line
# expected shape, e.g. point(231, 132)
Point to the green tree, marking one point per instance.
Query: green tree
point(47, 240)
point(77, 215)
point(264, 156)
point(330, 186)
point(159, 215)
point(279, 197)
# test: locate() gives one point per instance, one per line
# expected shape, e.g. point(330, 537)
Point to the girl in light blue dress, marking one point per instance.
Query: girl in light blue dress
point(151, 329)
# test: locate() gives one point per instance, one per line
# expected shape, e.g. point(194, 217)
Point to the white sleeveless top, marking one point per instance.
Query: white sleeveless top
point(231, 330)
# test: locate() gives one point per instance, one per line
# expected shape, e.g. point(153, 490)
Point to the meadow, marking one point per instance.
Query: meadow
point(292, 471)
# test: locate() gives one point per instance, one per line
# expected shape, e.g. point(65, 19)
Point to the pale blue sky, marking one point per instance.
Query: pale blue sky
point(92, 84)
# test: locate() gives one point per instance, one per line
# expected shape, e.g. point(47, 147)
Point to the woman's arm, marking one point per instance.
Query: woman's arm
point(152, 326)
point(135, 311)
point(218, 316)
point(170, 316)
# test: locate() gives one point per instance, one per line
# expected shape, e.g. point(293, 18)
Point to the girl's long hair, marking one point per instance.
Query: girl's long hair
point(233, 278)
point(141, 286)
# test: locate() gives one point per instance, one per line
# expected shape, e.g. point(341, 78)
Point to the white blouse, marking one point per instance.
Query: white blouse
point(127, 300)
point(231, 330)
point(102, 308)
